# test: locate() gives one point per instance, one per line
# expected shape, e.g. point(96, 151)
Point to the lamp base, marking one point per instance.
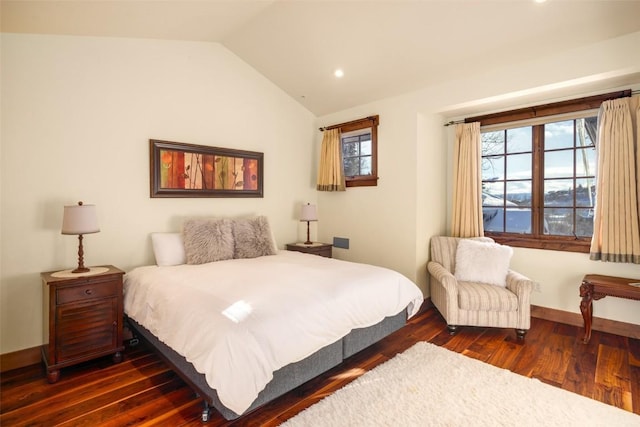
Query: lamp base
point(308, 242)
point(81, 270)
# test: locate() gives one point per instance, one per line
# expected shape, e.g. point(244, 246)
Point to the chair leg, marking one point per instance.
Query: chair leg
point(520, 333)
point(453, 329)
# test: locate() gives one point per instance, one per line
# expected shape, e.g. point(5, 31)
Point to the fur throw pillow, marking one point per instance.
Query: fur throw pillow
point(207, 240)
point(252, 237)
point(483, 262)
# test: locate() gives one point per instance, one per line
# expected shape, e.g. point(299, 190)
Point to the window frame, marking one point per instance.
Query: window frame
point(367, 122)
point(537, 239)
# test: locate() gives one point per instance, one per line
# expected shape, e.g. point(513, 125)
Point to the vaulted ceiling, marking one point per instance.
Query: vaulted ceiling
point(385, 48)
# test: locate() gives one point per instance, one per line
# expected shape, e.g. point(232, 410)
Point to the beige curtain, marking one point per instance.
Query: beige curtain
point(616, 228)
point(331, 171)
point(467, 182)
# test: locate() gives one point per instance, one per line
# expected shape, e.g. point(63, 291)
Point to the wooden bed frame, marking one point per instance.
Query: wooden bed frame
point(286, 378)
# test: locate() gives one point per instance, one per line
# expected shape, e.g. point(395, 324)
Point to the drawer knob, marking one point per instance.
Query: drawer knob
point(88, 291)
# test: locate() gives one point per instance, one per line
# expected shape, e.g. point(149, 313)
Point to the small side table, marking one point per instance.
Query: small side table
point(316, 248)
point(595, 287)
point(83, 316)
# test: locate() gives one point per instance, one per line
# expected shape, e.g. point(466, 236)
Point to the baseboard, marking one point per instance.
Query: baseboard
point(598, 324)
point(20, 358)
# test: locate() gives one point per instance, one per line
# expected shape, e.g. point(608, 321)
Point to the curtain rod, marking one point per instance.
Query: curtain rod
point(602, 97)
point(373, 119)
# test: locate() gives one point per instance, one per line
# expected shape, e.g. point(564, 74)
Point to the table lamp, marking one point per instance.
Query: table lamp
point(308, 214)
point(80, 219)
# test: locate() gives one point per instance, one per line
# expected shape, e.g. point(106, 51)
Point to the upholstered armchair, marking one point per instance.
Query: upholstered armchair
point(474, 303)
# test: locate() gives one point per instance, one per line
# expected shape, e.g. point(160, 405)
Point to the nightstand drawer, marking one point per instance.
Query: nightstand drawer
point(321, 249)
point(85, 292)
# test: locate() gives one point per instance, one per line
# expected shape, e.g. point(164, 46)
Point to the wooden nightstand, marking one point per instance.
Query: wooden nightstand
point(83, 316)
point(322, 249)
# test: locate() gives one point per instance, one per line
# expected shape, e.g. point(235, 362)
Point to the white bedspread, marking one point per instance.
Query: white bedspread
point(238, 321)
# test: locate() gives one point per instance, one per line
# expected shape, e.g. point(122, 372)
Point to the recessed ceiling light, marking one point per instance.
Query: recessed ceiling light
point(540, 1)
point(338, 73)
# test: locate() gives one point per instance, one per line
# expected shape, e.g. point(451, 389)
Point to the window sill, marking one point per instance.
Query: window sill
point(365, 181)
point(552, 243)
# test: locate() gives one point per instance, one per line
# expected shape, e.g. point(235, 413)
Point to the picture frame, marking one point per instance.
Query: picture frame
point(187, 170)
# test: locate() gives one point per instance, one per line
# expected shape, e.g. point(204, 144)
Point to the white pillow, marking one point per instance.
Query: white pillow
point(483, 262)
point(168, 248)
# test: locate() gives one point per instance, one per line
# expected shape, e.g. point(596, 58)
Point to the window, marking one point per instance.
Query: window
point(356, 153)
point(359, 140)
point(538, 175)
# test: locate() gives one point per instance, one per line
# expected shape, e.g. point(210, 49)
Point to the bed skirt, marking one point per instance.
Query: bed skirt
point(285, 379)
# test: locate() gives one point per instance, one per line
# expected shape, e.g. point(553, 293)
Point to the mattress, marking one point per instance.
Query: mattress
point(239, 321)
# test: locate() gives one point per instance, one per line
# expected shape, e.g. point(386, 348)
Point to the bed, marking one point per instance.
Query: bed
point(242, 331)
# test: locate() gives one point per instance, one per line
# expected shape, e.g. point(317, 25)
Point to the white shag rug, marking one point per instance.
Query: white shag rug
point(431, 386)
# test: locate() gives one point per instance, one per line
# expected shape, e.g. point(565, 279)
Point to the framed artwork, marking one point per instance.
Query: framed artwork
point(188, 170)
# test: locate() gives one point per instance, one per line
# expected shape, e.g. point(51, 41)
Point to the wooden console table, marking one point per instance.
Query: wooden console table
point(595, 287)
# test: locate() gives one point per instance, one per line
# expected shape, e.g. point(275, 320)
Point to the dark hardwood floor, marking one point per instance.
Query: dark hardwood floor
point(143, 391)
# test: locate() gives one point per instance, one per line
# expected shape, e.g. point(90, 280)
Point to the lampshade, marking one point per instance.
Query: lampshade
point(308, 213)
point(80, 219)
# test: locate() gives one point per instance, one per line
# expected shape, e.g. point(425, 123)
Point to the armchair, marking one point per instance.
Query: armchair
point(476, 304)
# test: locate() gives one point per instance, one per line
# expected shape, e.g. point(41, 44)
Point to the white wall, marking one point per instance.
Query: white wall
point(391, 224)
point(77, 114)
point(382, 222)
